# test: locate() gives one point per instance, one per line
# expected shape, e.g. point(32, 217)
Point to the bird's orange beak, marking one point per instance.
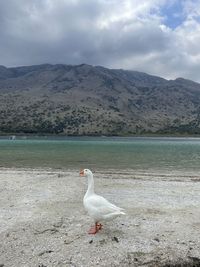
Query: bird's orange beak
point(81, 173)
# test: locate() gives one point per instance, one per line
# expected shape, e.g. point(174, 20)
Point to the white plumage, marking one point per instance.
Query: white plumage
point(97, 206)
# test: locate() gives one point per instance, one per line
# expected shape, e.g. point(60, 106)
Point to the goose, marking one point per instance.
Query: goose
point(98, 208)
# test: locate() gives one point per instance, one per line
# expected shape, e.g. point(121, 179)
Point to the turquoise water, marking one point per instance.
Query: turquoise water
point(105, 152)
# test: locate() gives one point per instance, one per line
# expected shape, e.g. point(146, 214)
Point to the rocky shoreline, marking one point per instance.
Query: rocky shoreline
point(43, 223)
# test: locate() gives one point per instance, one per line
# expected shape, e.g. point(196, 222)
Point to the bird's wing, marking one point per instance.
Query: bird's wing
point(102, 204)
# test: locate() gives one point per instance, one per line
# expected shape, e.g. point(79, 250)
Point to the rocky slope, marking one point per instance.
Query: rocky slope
point(88, 100)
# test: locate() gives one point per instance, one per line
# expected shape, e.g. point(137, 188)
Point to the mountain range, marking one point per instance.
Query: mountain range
point(93, 100)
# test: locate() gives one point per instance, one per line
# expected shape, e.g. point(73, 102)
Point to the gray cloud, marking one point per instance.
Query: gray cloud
point(114, 33)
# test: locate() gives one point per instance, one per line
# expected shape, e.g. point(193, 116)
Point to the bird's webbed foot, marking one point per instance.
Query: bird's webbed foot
point(94, 229)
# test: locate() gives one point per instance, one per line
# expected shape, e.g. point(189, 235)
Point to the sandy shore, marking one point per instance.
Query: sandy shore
point(43, 223)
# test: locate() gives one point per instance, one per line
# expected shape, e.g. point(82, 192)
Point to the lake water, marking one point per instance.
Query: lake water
point(105, 152)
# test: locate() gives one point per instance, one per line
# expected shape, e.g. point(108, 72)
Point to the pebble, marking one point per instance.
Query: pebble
point(115, 239)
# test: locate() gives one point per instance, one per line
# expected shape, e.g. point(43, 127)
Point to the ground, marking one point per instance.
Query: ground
point(43, 223)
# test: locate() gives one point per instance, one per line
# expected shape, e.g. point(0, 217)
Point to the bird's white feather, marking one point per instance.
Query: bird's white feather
point(97, 206)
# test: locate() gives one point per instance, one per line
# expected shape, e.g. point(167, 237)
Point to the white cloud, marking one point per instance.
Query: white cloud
point(114, 33)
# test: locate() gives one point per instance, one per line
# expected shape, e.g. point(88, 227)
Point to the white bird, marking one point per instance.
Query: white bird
point(97, 206)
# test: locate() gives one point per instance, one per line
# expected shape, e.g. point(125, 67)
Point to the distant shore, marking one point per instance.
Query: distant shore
point(43, 223)
point(28, 135)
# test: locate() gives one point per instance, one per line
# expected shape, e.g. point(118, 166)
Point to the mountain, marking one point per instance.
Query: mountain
point(93, 100)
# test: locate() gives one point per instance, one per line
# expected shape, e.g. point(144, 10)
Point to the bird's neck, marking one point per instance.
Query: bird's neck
point(90, 189)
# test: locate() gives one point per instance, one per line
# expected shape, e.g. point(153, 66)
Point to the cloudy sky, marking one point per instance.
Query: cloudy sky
point(160, 37)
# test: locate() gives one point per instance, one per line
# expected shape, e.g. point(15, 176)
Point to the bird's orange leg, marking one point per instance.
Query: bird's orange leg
point(99, 225)
point(94, 229)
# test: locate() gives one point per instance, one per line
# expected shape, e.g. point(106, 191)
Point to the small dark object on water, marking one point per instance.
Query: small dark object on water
point(115, 239)
point(156, 239)
point(91, 241)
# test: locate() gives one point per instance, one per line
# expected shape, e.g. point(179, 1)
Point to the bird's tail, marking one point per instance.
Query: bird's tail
point(122, 211)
